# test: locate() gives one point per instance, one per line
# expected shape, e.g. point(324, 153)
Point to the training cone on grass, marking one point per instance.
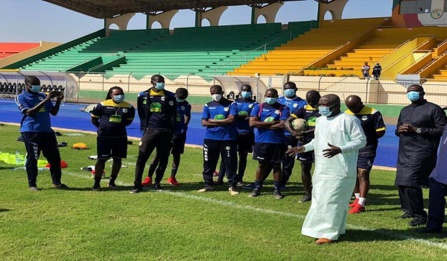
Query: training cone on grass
point(80, 146)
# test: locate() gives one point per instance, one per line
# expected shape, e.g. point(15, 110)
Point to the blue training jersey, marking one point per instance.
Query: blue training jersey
point(293, 105)
point(220, 110)
point(244, 108)
point(39, 122)
point(266, 112)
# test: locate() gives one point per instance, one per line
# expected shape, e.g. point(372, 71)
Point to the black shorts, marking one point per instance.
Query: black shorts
point(245, 141)
point(306, 157)
point(273, 153)
point(178, 146)
point(111, 147)
point(366, 159)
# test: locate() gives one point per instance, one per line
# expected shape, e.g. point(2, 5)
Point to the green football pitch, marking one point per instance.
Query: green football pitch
point(181, 224)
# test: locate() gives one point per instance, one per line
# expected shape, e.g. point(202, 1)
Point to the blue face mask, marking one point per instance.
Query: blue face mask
point(289, 93)
point(118, 98)
point(413, 96)
point(179, 100)
point(246, 95)
point(35, 88)
point(325, 110)
point(160, 86)
point(271, 100)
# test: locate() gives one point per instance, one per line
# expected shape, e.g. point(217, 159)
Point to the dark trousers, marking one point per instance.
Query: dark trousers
point(411, 201)
point(211, 151)
point(45, 142)
point(436, 208)
point(153, 139)
point(289, 161)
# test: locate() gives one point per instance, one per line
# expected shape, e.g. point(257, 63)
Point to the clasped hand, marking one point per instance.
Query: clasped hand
point(406, 128)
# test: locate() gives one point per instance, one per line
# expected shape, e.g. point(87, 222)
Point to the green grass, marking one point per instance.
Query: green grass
point(181, 224)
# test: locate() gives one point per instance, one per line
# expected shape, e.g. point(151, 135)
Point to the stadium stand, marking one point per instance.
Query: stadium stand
point(382, 44)
point(201, 51)
point(302, 51)
point(8, 49)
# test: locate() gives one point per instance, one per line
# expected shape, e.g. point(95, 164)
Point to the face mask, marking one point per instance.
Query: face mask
point(35, 88)
point(413, 96)
point(160, 86)
point(118, 98)
point(271, 100)
point(217, 97)
point(325, 110)
point(246, 95)
point(179, 100)
point(289, 93)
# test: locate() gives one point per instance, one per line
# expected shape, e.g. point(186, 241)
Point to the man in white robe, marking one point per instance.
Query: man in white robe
point(338, 137)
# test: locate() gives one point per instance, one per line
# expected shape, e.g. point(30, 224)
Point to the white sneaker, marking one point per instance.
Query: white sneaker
point(205, 189)
point(233, 191)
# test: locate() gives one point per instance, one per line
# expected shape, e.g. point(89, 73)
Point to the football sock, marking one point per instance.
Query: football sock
point(112, 179)
point(97, 181)
point(276, 184)
point(258, 184)
point(362, 201)
point(357, 195)
point(173, 172)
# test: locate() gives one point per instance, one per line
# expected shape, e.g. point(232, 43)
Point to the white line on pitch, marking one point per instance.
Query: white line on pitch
point(281, 213)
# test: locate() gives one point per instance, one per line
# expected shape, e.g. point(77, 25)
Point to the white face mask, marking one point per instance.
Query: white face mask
point(217, 97)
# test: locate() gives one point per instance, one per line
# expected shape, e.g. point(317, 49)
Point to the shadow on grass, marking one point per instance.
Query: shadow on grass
point(356, 235)
point(4, 210)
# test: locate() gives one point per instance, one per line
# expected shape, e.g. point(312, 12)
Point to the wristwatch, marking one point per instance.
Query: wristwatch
point(418, 130)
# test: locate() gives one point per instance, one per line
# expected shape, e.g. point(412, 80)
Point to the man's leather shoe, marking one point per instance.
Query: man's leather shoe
point(406, 215)
point(418, 221)
point(322, 241)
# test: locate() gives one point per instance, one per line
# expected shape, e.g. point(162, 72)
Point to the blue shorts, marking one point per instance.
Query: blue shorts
point(366, 159)
point(269, 152)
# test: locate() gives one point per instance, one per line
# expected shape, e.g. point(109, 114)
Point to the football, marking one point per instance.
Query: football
point(299, 124)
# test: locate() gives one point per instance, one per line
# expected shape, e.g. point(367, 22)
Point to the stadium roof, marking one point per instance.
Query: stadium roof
point(113, 8)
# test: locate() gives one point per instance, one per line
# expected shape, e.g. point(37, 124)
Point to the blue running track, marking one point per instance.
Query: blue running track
point(71, 117)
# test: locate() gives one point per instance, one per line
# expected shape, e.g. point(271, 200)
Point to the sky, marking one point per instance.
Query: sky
point(36, 20)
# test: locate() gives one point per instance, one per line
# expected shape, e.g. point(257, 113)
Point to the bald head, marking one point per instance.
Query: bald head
point(216, 89)
point(354, 103)
point(312, 98)
point(332, 101)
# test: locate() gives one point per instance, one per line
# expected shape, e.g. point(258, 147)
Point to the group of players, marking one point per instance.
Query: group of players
point(266, 130)
point(234, 128)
